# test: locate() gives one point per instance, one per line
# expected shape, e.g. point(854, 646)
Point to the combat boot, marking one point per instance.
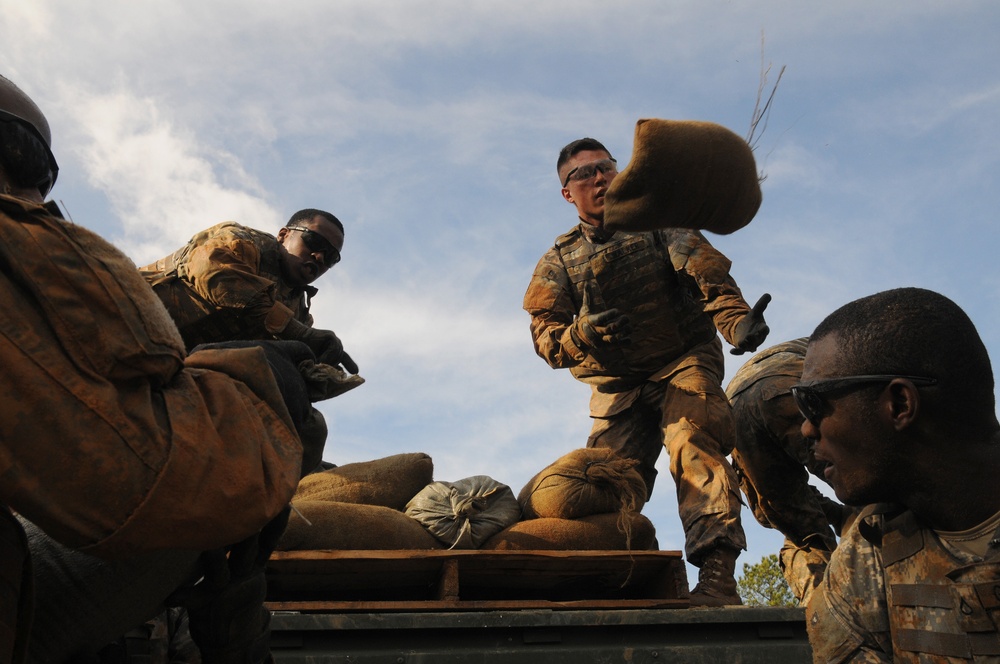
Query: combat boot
point(717, 579)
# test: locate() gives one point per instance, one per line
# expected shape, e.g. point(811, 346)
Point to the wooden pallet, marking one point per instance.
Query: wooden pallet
point(435, 580)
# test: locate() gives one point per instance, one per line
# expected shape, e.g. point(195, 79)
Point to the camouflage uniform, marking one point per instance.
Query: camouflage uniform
point(771, 459)
point(226, 285)
point(894, 593)
point(110, 437)
point(664, 389)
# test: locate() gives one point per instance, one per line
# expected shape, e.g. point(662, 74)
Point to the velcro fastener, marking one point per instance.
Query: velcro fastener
point(922, 594)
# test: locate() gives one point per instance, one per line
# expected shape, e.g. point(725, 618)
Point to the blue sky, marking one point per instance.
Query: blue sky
point(431, 129)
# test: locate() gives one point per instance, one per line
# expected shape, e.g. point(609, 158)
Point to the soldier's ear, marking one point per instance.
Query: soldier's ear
point(568, 196)
point(283, 233)
point(904, 403)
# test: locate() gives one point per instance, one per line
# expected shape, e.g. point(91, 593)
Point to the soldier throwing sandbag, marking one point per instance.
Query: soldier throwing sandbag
point(635, 315)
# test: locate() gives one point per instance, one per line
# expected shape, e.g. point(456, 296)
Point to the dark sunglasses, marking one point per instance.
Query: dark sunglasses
point(587, 171)
point(316, 242)
point(45, 184)
point(813, 405)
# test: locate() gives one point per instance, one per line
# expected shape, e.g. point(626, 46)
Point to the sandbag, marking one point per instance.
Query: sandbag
point(684, 174)
point(390, 482)
point(584, 482)
point(464, 514)
point(600, 532)
point(351, 527)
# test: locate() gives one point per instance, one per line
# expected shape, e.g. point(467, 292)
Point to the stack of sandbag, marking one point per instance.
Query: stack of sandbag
point(684, 174)
point(359, 506)
point(466, 513)
point(588, 500)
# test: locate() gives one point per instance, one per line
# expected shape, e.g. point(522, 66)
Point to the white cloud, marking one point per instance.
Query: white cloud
point(162, 184)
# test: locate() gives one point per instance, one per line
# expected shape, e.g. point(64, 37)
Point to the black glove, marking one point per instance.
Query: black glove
point(326, 345)
point(228, 620)
point(752, 330)
point(608, 328)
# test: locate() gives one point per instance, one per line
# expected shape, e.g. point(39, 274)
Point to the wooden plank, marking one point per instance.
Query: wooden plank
point(542, 562)
point(449, 579)
point(420, 554)
point(502, 605)
point(448, 583)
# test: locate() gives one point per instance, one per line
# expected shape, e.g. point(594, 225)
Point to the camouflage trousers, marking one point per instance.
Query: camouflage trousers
point(773, 463)
point(688, 413)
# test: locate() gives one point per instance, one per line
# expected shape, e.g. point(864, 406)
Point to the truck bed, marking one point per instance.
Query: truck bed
point(511, 606)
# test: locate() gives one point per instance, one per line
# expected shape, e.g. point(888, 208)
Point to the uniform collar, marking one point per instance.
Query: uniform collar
point(595, 234)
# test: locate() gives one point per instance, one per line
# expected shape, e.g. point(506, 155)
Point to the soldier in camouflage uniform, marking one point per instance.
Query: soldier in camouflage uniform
point(635, 316)
point(231, 282)
point(897, 392)
point(771, 460)
point(122, 455)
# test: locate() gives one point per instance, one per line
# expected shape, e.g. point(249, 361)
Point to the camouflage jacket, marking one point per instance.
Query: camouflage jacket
point(226, 284)
point(894, 593)
point(113, 441)
point(673, 285)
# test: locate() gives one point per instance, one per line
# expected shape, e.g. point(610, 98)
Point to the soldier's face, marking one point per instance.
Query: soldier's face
point(304, 264)
point(847, 435)
point(587, 195)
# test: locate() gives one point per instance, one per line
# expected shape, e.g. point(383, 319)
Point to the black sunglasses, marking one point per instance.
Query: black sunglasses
point(45, 184)
point(813, 405)
point(587, 171)
point(316, 242)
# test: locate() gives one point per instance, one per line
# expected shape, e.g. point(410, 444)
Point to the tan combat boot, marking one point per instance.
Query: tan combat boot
point(717, 580)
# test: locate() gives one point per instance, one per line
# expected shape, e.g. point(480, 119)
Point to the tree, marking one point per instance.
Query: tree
point(763, 584)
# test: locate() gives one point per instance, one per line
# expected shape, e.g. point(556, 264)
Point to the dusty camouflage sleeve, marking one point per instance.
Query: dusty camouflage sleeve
point(550, 304)
point(109, 441)
point(692, 255)
point(224, 270)
point(847, 617)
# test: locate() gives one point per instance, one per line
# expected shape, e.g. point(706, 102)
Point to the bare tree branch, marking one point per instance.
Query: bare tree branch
point(762, 112)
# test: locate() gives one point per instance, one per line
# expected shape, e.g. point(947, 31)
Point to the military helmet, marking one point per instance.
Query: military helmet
point(17, 107)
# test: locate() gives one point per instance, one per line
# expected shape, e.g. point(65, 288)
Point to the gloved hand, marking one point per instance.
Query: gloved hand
point(607, 328)
point(228, 620)
point(752, 330)
point(326, 345)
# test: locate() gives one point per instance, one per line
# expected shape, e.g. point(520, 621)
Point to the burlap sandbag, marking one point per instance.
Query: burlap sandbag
point(684, 174)
point(598, 532)
point(584, 482)
point(351, 527)
point(390, 482)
